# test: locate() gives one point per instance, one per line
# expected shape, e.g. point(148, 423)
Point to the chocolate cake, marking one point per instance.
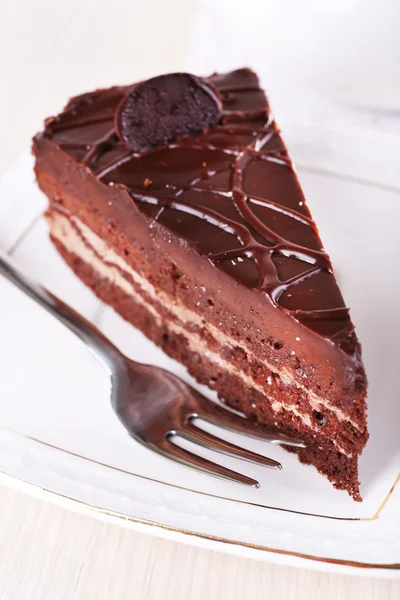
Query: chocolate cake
point(176, 202)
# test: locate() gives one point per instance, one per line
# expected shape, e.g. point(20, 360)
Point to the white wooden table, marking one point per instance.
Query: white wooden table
point(49, 51)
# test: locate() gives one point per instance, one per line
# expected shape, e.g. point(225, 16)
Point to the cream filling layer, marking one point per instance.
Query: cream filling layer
point(62, 230)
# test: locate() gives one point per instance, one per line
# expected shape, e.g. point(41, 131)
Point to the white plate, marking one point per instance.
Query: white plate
point(60, 439)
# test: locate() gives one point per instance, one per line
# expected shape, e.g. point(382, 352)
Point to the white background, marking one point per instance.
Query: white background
point(49, 51)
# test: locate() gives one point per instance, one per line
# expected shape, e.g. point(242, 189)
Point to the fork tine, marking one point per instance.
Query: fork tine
point(208, 440)
point(223, 417)
point(170, 450)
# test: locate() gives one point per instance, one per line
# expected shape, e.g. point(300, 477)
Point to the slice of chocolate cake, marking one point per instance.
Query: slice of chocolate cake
point(175, 200)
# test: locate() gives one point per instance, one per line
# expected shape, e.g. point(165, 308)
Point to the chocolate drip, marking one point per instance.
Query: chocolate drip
point(230, 190)
point(101, 146)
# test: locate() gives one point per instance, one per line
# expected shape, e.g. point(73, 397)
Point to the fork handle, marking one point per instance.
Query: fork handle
point(99, 345)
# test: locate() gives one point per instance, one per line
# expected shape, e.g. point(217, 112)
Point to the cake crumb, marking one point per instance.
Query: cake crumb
point(293, 353)
point(204, 164)
point(147, 182)
point(253, 405)
point(197, 303)
point(297, 339)
point(240, 259)
point(203, 288)
point(301, 203)
point(111, 184)
point(233, 262)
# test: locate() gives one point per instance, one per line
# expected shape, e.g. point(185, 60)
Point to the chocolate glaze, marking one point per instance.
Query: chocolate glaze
point(231, 191)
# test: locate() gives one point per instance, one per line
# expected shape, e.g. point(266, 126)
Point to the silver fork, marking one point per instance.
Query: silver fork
point(154, 405)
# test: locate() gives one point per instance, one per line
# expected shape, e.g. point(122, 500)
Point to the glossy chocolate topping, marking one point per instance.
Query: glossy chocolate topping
point(163, 109)
point(230, 190)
